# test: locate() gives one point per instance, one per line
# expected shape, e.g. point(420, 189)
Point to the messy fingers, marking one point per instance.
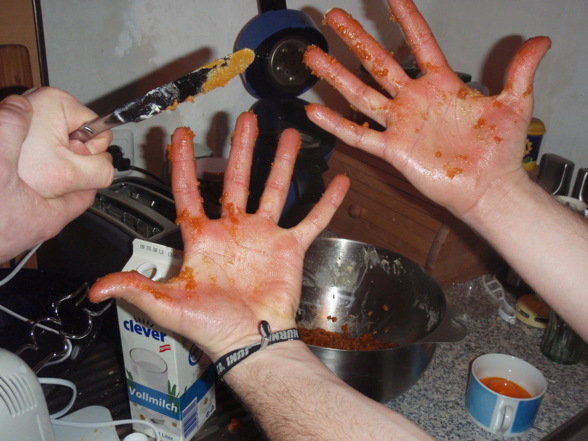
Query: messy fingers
point(184, 182)
point(347, 131)
point(419, 36)
point(520, 74)
point(356, 92)
point(136, 289)
point(377, 60)
point(278, 182)
point(322, 213)
point(236, 184)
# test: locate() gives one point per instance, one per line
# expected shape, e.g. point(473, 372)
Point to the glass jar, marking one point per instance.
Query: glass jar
point(560, 343)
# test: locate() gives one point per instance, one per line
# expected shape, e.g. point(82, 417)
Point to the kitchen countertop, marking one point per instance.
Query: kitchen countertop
point(437, 401)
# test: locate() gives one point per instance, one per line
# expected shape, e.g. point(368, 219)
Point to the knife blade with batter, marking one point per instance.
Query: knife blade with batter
point(168, 96)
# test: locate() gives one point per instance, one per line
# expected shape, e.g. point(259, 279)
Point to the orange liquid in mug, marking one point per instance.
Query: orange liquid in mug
point(505, 387)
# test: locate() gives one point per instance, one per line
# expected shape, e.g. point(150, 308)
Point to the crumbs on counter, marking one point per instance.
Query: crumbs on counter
point(235, 425)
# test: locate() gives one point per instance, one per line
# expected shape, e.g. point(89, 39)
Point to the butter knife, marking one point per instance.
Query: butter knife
point(208, 77)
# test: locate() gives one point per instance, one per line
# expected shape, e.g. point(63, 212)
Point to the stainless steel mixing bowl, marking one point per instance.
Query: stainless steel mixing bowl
point(374, 290)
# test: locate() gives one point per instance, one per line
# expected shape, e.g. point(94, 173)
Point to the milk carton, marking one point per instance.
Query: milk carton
point(170, 381)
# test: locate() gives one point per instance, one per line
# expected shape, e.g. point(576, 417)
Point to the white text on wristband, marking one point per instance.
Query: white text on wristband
point(228, 361)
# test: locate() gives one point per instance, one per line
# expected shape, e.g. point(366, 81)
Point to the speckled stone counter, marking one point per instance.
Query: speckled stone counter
point(437, 401)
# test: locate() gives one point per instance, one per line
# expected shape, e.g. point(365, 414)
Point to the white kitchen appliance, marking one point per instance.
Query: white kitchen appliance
point(23, 411)
point(24, 414)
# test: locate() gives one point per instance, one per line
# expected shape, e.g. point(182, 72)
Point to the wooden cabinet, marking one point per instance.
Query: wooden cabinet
point(21, 60)
point(384, 209)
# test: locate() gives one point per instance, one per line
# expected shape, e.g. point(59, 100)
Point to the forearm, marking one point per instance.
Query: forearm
point(544, 241)
point(293, 395)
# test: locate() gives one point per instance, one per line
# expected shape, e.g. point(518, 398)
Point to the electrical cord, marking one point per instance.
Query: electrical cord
point(19, 266)
point(146, 172)
point(9, 277)
point(124, 164)
point(66, 383)
point(15, 270)
point(59, 422)
point(55, 417)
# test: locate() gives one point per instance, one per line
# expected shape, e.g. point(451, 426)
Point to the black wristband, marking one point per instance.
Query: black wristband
point(225, 363)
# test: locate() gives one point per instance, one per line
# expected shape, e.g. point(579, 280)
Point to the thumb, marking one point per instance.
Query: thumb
point(144, 293)
point(520, 73)
point(15, 121)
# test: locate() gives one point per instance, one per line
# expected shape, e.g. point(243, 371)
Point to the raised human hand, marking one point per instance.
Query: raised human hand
point(450, 141)
point(239, 269)
point(47, 181)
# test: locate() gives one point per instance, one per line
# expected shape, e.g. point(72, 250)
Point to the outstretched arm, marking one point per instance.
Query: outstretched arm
point(463, 150)
point(241, 269)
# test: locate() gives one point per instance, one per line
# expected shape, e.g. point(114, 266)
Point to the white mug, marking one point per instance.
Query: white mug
point(497, 413)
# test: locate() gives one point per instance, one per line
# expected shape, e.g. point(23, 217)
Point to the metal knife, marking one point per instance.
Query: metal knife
point(168, 96)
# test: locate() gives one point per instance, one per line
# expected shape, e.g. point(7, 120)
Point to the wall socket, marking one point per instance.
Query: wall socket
point(124, 139)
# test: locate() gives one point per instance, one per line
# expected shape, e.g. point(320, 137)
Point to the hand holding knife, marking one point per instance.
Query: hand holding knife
point(168, 96)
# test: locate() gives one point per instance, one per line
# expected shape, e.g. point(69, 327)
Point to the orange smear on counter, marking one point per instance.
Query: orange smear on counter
point(235, 425)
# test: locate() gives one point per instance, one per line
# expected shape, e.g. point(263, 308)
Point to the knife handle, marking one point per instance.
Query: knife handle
point(93, 128)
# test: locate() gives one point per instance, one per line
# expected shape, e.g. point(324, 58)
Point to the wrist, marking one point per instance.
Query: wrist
point(293, 356)
point(501, 203)
point(225, 362)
